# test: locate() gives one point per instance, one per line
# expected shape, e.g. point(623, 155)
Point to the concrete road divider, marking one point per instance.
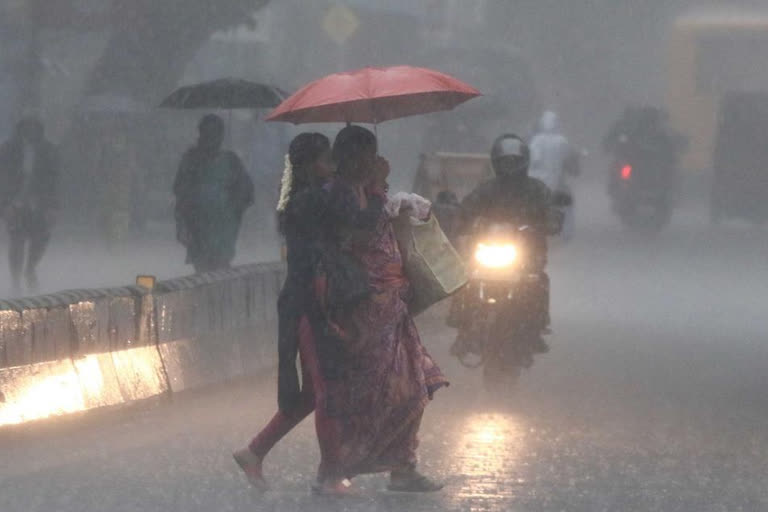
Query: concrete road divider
point(82, 349)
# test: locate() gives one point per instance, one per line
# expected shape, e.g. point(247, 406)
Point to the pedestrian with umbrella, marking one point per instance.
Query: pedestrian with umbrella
point(212, 187)
point(212, 191)
point(225, 94)
point(373, 376)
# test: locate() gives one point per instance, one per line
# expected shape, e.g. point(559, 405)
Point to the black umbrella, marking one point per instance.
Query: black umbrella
point(225, 94)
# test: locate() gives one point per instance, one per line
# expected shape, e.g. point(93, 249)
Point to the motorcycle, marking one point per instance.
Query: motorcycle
point(642, 190)
point(638, 204)
point(502, 318)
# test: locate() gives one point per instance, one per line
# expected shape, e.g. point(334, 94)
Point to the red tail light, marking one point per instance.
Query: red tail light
point(626, 172)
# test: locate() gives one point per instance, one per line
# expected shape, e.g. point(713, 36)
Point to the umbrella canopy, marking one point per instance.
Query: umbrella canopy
point(226, 94)
point(373, 95)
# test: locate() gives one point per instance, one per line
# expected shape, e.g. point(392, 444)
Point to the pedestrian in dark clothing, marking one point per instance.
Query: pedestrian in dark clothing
point(300, 210)
point(29, 173)
point(301, 206)
point(212, 191)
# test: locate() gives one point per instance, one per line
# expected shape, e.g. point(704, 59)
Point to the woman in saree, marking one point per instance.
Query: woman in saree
point(377, 376)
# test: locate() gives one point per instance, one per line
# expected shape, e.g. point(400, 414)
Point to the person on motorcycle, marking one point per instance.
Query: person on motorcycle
point(514, 196)
point(553, 159)
point(642, 129)
point(642, 134)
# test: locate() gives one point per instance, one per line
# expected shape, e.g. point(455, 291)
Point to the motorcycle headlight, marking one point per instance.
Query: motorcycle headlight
point(495, 256)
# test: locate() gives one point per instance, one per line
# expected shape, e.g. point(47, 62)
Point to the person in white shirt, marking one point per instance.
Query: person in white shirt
point(553, 160)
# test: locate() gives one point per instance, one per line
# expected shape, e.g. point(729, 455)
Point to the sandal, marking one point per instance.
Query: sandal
point(414, 482)
point(251, 466)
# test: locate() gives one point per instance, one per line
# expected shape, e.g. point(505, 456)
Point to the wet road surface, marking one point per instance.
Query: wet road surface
point(652, 399)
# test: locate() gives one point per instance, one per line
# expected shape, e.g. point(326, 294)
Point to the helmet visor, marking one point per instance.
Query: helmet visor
point(510, 165)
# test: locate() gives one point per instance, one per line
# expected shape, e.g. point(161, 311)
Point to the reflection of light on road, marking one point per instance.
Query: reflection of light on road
point(58, 394)
point(91, 378)
point(489, 431)
point(487, 454)
point(48, 389)
point(63, 390)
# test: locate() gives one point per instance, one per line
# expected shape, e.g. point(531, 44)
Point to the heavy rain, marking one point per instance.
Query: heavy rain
point(519, 248)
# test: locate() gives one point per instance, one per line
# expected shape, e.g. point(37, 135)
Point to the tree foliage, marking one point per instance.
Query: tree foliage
point(152, 42)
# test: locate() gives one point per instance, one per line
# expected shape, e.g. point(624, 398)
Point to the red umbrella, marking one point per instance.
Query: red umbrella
point(373, 95)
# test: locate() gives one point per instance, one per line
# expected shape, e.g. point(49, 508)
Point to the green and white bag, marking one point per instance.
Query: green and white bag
point(434, 268)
